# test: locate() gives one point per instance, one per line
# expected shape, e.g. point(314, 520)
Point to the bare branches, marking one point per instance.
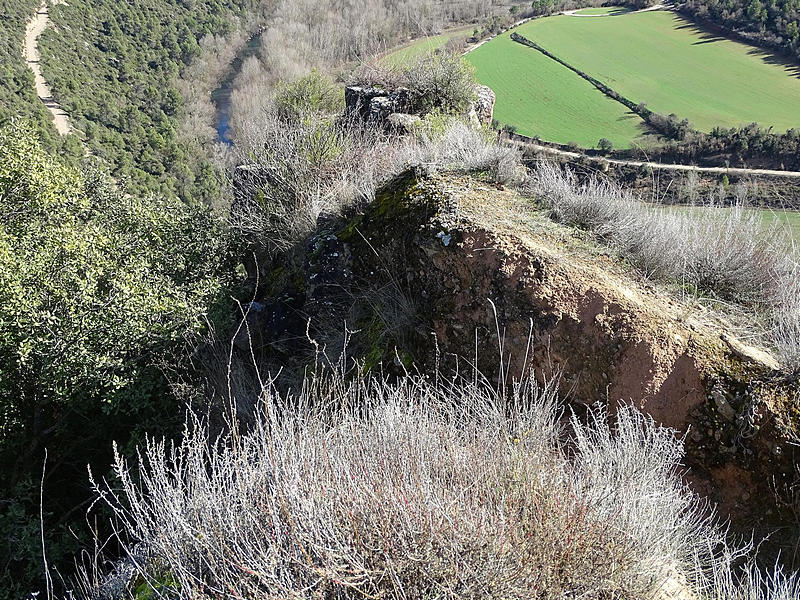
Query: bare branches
point(726, 252)
point(412, 491)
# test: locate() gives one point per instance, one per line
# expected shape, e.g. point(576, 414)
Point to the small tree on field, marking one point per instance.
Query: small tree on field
point(605, 145)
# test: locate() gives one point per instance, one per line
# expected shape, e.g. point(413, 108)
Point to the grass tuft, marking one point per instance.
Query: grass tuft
point(728, 254)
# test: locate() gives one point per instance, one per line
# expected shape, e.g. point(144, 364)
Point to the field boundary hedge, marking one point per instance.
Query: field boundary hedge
point(614, 95)
point(670, 126)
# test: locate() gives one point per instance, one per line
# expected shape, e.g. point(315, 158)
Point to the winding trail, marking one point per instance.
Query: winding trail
point(657, 166)
point(35, 28)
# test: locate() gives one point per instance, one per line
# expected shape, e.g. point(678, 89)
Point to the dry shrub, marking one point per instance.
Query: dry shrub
point(725, 252)
point(414, 490)
point(786, 316)
point(305, 168)
point(461, 147)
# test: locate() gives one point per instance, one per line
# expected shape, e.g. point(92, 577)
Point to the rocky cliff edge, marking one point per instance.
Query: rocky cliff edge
point(452, 271)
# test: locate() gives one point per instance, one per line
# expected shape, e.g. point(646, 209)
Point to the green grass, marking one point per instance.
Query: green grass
point(415, 49)
point(541, 97)
point(788, 219)
point(658, 58)
point(792, 220)
point(604, 10)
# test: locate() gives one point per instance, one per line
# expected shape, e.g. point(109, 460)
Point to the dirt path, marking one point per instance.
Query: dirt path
point(661, 166)
point(35, 27)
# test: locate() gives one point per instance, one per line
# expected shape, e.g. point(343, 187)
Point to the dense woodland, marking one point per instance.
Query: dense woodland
point(102, 283)
point(114, 66)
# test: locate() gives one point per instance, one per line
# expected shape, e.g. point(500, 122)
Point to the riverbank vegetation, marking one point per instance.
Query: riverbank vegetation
point(304, 35)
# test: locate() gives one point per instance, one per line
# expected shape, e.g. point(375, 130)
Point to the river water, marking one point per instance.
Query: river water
point(221, 97)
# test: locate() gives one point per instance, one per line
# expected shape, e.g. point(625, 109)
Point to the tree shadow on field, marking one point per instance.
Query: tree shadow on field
point(642, 126)
point(620, 11)
point(629, 116)
point(706, 37)
point(790, 67)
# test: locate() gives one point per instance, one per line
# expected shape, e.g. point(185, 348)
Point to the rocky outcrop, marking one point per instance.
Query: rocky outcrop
point(452, 271)
point(374, 105)
point(394, 110)
point(483, 108)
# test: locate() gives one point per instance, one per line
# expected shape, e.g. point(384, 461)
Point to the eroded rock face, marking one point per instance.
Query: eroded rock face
point(483, 108)
point(375, 105)
point(436, 267)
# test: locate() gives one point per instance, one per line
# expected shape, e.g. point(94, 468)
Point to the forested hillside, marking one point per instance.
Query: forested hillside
point(99, 294)
point(17, 94)
point(771, 23)
point(113, 66)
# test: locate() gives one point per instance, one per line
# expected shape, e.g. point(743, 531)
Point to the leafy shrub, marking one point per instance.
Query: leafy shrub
point(98, 290)
point(314, 93)
point(441, 81)
point(432, 126)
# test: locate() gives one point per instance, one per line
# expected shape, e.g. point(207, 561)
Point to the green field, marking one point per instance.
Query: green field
point(419, 47)
point(603, 10)
point(540, 97)
point(658, 58)
point(789, 220)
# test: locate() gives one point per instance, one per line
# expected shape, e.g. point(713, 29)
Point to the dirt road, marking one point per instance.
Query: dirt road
point(662, 166)
point(35, 27)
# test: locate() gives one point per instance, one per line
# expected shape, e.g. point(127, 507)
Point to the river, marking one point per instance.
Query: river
point(221, 97)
